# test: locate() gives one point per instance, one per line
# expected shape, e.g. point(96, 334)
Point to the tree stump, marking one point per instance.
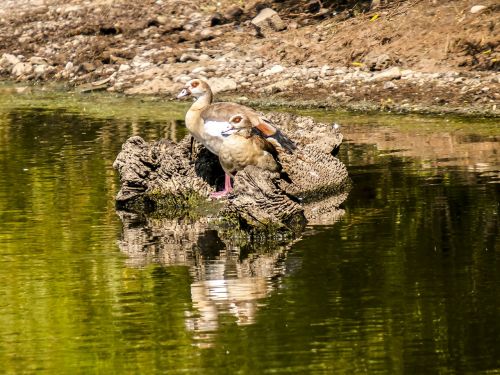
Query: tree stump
point(167, 179)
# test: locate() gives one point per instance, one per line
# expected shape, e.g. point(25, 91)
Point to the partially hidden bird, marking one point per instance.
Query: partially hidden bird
point(244, 146)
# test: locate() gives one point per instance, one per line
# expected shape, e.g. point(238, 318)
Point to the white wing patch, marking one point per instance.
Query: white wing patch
point(215, 128)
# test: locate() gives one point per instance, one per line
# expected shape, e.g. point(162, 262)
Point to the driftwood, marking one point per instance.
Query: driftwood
point(170, 180)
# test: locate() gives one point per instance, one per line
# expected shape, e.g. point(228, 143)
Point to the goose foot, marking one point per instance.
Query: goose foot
point(220, 194)
point(227, 188)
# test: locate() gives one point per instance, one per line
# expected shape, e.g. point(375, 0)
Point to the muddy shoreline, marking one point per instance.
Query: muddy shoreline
point(405, 57)
point(292, 102)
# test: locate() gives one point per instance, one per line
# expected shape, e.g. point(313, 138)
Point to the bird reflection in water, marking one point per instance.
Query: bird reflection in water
point(229, 276)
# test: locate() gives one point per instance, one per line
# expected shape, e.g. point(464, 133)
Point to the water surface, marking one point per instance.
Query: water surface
point(407, 281)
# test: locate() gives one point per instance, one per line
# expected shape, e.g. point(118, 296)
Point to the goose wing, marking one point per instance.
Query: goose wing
point(221, 112)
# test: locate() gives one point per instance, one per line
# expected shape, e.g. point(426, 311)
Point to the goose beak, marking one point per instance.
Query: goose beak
point(230, 130)
point(185, 92)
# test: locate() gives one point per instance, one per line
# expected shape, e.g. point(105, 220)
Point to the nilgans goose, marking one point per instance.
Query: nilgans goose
point(207, 121)
point(244, 147)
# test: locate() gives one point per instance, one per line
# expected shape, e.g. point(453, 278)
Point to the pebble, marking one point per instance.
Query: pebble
point(124, 68)
point(22, 69)
point(389, 74)
point(269, 19)
point(8, 60)
point(389, 85)
point(477, 9)
point(273, 70)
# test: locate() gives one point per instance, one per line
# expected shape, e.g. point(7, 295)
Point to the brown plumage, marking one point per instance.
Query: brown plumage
point(206, 121)
point(244, 147)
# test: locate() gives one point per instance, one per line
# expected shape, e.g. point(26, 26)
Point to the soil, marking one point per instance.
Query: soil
point(330, 53)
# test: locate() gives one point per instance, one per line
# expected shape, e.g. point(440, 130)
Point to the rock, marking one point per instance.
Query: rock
point(21, 69)
point(69, 66)
point(199, 70)
point(124, 68)
point(208, 34)
point(40, 70)
point(273, 70)
point(268, 19)
point(182, 78)
point(478, 9)
point(35, 60)
point(389, 85)
point(162, 20)
point(8, 60)
point(379, 62)
point(324, 70)
point(222, 84)
point(185, 57)
point(387, 75)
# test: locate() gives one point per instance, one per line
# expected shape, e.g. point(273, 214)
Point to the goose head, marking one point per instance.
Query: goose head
point(195, 87)
point(239, 124)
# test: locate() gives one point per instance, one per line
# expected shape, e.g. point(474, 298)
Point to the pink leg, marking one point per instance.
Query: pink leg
point(227, 188)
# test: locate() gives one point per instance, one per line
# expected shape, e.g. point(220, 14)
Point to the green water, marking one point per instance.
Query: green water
point(407, 281)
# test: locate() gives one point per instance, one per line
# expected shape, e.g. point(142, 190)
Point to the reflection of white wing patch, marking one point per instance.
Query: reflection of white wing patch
point(215, 128)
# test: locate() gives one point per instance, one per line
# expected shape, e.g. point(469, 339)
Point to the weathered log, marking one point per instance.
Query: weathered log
point(171, 180)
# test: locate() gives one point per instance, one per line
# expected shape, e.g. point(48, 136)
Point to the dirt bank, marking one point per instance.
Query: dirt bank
point(414, 56)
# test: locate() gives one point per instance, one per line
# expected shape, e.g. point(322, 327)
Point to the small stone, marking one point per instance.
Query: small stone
point(218, 84)
point(198, 70)
point(182, 78)
point(379, 62)
point(268, 19)
point(38, 60)
point(8, 60)
point(124, 68)
point(389, 85)
point(162, 20)
point(324, 70)
point(185, 57)
point(22, 69)
point(207, 34)
point(477, 9)
point(273, 70)
point(40, 70)
point(388, 74)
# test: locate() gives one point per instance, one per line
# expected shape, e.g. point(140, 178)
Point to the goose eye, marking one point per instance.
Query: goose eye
point(195, 84)
point(237, 119)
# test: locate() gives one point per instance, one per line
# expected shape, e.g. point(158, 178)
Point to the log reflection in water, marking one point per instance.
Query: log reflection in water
point(229, 275)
